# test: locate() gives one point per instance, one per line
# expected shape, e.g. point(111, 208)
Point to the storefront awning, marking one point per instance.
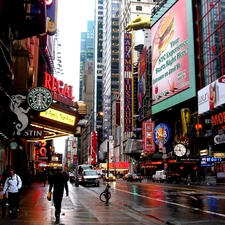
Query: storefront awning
point(57, 121)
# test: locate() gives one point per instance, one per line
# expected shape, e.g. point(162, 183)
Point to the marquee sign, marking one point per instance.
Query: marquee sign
point(58, 116)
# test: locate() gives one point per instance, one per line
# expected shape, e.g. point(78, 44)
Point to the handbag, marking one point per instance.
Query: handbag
point(49, 196)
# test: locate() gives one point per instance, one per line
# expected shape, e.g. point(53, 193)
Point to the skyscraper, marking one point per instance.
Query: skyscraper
point(110, 76)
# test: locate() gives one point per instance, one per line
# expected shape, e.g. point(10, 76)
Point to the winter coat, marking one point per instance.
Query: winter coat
point(12, 184)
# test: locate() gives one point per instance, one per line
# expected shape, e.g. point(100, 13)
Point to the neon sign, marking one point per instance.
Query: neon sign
point(59, 116)
point(55, 85)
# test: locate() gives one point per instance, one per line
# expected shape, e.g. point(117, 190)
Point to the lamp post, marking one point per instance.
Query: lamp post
point(108, 158)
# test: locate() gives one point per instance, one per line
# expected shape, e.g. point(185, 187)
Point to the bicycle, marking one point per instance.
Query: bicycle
point(74, 181)
point(105, 195)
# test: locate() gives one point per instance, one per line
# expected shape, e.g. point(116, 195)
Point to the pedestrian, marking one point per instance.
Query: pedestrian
point(58, 183)
point(12, 184)
point(44, 177)
point(26, 177)
point(5, 175)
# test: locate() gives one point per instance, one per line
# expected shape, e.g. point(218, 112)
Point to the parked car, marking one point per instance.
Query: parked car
point(84, 167)
point(89, 177)
point(160, 175)
point(125, 176)
point(134, 177)
point(111, 177)
point(174, 178)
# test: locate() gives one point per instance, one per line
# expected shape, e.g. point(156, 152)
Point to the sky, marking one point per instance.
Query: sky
point(72, 20)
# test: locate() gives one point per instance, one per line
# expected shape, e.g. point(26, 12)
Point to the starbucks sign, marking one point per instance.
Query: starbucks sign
point(39, 98)
point(13, 145)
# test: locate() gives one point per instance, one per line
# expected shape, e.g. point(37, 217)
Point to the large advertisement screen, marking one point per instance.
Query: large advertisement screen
point(173, 56)
point(211, 96)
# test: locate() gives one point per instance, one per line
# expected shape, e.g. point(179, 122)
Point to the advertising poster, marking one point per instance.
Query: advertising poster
point(148, 141)
point(170, 63)
point(128, 106)
point(141, 78)
point(211, 96)
point(162, 135)
point(94, 144)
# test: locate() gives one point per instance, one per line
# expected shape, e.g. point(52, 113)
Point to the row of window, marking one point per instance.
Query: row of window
point(212, 39)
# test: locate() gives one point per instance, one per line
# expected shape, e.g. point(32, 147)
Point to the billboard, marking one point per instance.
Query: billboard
point(162, 135)
point(94, 144)
point(141, 78)
point(148, 136)
point(128, 105)
point(211, 96)
point(173, 74)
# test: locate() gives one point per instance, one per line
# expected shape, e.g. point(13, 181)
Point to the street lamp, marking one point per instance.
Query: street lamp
point(108, 158)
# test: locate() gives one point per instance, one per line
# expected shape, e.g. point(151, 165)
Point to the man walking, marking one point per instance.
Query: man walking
point(58, 183)
point(5, 175)
point(12, 184)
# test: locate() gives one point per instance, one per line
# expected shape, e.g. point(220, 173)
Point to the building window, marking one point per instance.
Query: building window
point(211, 41)
point(139, 8)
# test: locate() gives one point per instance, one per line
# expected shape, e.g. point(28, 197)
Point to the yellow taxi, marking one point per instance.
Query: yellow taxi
point(111, 177)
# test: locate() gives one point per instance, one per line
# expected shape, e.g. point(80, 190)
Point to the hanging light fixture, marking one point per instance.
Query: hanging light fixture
point(198, 127)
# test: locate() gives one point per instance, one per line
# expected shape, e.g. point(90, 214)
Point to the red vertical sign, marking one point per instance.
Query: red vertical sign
point(94, 142)
point(148, 136)
point(75, 159)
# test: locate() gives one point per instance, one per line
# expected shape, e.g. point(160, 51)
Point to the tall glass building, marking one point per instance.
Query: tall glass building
point(98, 66)
point(86, 51)
point(110, 75)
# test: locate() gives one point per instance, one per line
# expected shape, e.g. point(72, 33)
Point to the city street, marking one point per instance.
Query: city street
point(144, 203)
point(171, 203)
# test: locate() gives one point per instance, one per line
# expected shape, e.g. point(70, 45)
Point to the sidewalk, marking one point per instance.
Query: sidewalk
point(82, 207)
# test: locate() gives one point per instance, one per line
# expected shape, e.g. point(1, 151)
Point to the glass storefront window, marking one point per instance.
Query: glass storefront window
point(211, 40)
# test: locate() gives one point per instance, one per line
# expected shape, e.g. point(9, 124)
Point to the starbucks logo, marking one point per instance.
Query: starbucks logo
point(39, 98)
point(13, 145)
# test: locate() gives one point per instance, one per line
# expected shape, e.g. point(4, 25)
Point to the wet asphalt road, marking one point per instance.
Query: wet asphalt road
point(171, 203)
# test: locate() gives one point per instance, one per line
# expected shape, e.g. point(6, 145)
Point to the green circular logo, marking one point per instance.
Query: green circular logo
point(13, 145)
point(39, 98)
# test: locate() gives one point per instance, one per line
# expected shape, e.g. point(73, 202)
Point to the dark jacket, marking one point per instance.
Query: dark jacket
point(58, 183)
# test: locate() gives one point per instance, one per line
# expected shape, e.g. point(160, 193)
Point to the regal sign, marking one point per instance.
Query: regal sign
point(55, 85)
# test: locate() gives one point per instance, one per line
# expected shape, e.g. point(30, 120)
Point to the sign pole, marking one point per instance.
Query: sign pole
point(108, 158)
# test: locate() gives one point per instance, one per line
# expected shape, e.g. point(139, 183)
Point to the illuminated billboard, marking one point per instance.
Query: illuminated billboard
point(141, 78)
point(128, 105)
point(148, 136)
point(59, 116)
point(173, 72)
point(211, 96)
